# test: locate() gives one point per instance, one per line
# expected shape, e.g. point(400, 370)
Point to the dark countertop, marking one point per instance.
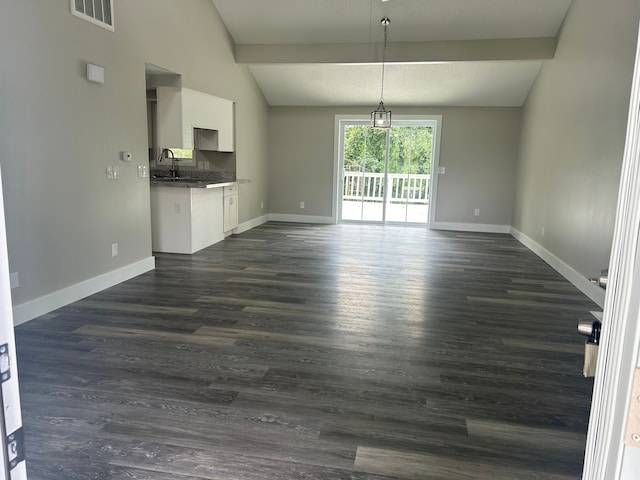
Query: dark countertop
point(188, 183)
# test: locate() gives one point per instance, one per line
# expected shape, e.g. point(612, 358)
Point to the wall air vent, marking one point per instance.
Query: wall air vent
point(99, 12)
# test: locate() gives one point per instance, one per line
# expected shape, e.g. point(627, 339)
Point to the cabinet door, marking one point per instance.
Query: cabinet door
point(227, 208)
point(170, 118)
point(230, 212)
point(226, 136)
point(233, 211)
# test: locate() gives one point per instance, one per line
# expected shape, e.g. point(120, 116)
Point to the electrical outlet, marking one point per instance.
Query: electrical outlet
point(14, 280)
point(114, 249)
point(261, 205)
point(476, 212)
point(301, 204)
point(143, 172)
point(542, 232)
point(176, 208)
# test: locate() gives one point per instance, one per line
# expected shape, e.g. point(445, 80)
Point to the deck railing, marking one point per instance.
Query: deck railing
point(369, 187)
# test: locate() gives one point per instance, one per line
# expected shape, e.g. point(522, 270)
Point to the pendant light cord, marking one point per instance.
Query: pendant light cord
point(385, 22)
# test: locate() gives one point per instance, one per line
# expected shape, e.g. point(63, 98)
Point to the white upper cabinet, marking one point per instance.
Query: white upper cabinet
point(181, 110)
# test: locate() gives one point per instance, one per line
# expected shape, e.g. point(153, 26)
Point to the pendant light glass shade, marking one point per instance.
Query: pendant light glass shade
point(380, 117)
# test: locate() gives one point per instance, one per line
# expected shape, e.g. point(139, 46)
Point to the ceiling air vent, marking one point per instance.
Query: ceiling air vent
point(99, 12)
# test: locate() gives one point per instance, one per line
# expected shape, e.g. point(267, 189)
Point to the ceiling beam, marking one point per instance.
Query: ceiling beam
point(401, 52)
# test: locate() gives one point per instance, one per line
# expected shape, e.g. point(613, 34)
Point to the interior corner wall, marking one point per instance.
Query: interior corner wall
point(573, 134)
point(59, 132)
point(479, 148)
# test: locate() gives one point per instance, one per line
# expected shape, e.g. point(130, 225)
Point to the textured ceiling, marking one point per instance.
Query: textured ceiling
point(290, 47)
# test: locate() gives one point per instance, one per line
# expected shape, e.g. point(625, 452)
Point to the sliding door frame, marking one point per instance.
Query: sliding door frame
point(408, 120)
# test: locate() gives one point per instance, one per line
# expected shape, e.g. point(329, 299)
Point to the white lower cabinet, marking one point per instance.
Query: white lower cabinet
point(185, 220)
point(230, 207)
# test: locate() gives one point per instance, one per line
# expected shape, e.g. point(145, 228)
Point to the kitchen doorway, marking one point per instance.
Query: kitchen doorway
point(385, 176)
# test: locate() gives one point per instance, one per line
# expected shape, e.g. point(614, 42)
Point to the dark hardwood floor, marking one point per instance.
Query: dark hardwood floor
point(315, 352)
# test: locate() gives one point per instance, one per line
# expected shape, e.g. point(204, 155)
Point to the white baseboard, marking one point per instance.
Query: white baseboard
point(34, 308)
point(582, 283)
point(282, 217)
point(470, 227)
point(256, 222)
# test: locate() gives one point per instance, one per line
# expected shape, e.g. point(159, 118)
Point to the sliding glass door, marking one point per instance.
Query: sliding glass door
point(386, 173)
point(364, 164)
point(409, 174)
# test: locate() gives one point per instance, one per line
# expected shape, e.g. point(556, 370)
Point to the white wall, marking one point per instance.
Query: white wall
point(573, 132)
point(58, 132)
point(478, 149)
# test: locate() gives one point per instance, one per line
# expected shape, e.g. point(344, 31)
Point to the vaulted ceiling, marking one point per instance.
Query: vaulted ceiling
point(440, 52)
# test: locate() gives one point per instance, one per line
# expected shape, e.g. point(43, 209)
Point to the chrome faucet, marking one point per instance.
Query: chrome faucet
point(174, 165)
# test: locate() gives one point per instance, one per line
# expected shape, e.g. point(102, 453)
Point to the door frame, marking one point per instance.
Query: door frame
point(606, 454)
point(338, 178)
point(10, 413)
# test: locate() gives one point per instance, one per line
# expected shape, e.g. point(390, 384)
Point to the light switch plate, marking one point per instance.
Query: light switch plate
point(441, 170)
point(143, 172)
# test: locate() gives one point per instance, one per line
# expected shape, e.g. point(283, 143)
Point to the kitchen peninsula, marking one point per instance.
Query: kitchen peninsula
point(187, 214)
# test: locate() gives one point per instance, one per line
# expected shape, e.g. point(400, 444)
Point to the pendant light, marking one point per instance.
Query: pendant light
point(381, 118)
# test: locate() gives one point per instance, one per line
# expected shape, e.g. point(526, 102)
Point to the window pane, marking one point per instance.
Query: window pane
point(107, 12)
point(89, 8)
point(80, 6)
point(180, 153)
point(99, 15)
